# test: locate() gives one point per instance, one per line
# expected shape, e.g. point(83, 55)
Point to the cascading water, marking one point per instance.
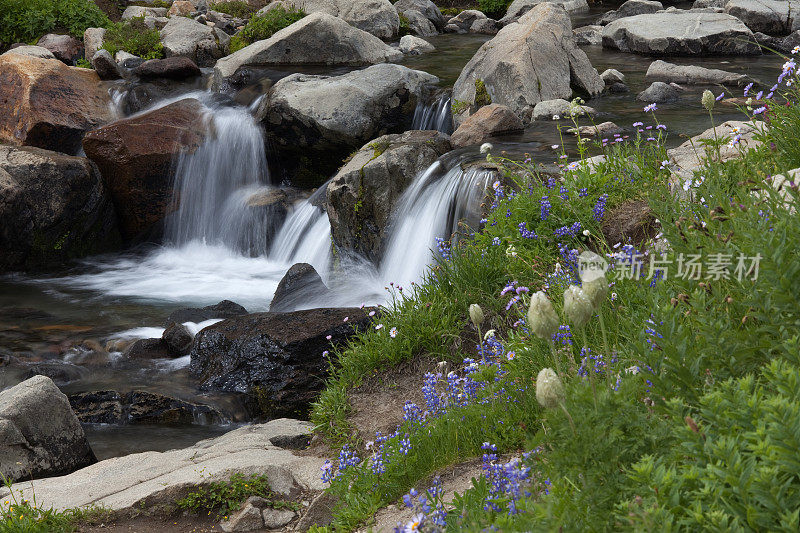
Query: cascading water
point(430, 208)
point(434, 115)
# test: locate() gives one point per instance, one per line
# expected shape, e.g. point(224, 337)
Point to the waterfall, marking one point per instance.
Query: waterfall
point(434, 115)
point(305, 237)
point(216, 185)
point(430, 208)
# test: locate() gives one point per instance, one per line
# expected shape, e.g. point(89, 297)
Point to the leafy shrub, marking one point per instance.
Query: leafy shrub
point(264, 26)
point(134, 37)
point(83, 63)
point(27, 20)
point(237, 9)
point(225, 498)
point(494, 8)
point(405, 27)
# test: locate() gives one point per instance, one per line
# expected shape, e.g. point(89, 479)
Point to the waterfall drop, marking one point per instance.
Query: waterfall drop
point(434, 115)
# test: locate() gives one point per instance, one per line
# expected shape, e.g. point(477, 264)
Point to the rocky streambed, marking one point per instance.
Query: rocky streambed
point(184, 239)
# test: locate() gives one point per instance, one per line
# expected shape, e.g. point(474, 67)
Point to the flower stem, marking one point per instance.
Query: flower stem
point(609, 354)
point(589, 370)
point(555, 357)
point(569, 417)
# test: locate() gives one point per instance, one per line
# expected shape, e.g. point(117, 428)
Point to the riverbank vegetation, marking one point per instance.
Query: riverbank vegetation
point(672, 399)
point(25, 21)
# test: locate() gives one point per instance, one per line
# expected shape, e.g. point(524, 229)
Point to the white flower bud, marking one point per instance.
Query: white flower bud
point(542, 318)
point(486, 148)
point(708, 100)
point(577, 306)
point(593, 277)
point(549, 389)
point(596, 290)
point(476, 314)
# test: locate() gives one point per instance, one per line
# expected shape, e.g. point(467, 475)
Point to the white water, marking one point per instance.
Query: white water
point(218, 248)
point(434, 115)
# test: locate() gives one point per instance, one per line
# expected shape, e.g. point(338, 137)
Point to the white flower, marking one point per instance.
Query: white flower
point(393, 333)
point(549, 389)
point(489, 334)
point(556, 117)
point(486, 148)
point(542, 318)
point(586, 233)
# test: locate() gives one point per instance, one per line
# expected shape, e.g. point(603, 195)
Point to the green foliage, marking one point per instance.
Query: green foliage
point(237, 8)
point(482, 96)
point(263, 27)
point(494, 8)
point(134, 37)
point(458, 107)
point(26, 20)
point(83, 63)
point(405, 27)
point(737, 466)
point(224, 498)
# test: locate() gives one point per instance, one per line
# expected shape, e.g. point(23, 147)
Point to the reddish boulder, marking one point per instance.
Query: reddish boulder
point(492, 119)
point(135, 157)
point(48, 104)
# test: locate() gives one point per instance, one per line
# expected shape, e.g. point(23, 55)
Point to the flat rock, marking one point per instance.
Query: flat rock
point(773, 17)
point(39, 433)
point(550, 109)
point(135, 156)
point(683, 33)
point(690, 155)
point(318, 39)
point(48, 104)
point(274, 358)
point(53, 208)
point(493, 119)
point(152, 478)
point(374, 179)
point(172, 68)
point(692, 75)
point(604, 129)
point(527, 62)
point(30, 51)
point(141, 407)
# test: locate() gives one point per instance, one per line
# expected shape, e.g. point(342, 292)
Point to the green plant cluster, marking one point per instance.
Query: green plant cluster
point(236, 8)
point(25, 21)
point(263, 27)
point(226, 497)
point(134, 37)
point(692, 419)
point(495, 9)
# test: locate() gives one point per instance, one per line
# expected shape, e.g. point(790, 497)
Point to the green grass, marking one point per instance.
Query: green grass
point(134, 37)
point(237, 9)
point(263, 27)
point(691, 425)
point(225, 498)
point(25, 21)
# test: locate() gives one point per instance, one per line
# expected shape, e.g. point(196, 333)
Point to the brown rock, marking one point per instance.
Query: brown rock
point(48, 104)
point(181, 8)
point(65, 48)
point(492, 119)
point(135, 158)
point(173, 68)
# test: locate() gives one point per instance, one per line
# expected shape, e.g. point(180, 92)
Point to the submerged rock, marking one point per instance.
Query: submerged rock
point(178, 339)
point(53, 208)
point(681, 32)
point(39, 434)
point(301, 284)
point(48, 104)
point(362, 195)
point(529, 61)
point(316, 121)
point(140, 407)
point(136, 155)
point(274, 358)
point(223, 309)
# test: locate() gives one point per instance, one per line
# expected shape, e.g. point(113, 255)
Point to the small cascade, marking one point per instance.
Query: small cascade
point(221, 188)
point(434, 115)
point(305, 237)
point(431, 208)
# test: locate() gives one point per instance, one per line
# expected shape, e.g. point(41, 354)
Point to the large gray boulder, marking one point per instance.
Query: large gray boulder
point(53, 208)
point(683, 33)
point(419, 24)
point(318, 39)
point(631, 8)
point(39, 434)
point(362, 195)
point(692, 75)
point(427, 8)
point(528, 61)
point(185, 37)
point(156, 478)
point(773, 17)
point(377, 17)
point(517, 8)
point(316, 121)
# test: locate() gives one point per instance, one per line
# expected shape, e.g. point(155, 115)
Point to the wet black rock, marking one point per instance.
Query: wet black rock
point(148, 349)
point(224, 309)
point(178, 339)
point(301, 283)
point(173, 68)
point(140, 407)
point(275, 358)
point(60, 372)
